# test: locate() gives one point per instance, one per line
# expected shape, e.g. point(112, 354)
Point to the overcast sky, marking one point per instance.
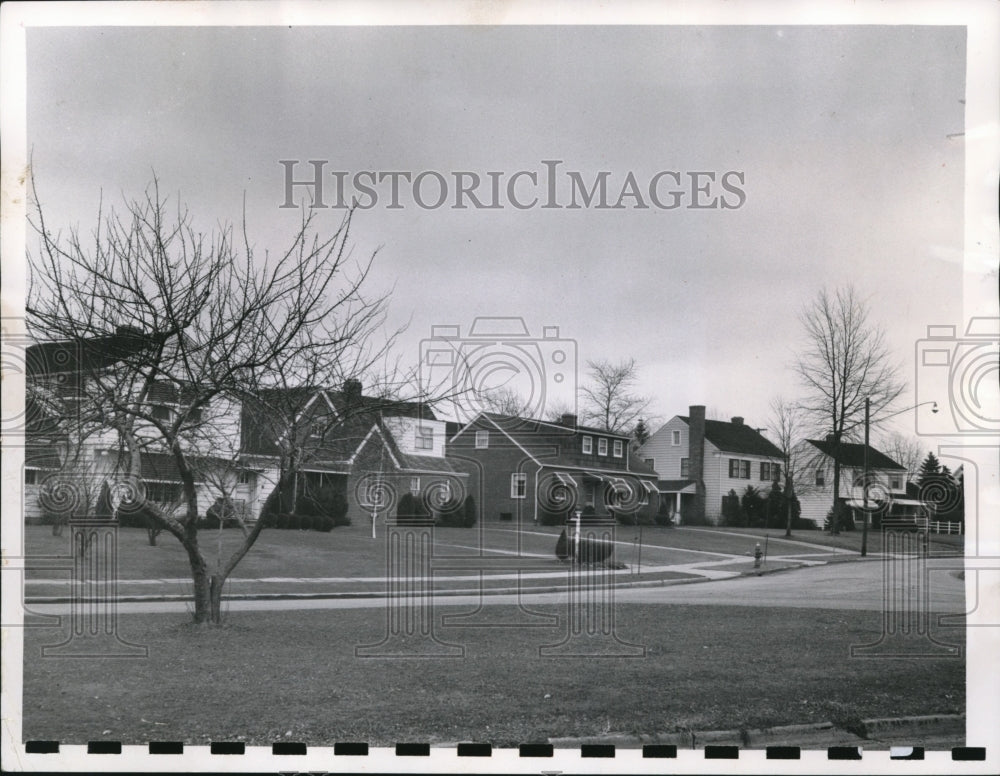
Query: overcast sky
point(840, 134)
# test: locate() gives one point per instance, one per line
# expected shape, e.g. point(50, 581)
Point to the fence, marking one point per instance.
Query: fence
point(940, 526)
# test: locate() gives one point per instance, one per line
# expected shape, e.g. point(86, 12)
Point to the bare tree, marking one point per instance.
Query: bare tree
point(609, 399)
point(786, 424)
point(905, 450)
point(153, 305)
point(845, 361)
point(503, 401)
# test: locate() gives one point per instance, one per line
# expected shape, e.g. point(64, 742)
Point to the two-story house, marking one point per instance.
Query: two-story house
point(533, 471)
point(82, 395)
point(371, 450)
point(699, 461)
point(887, 482)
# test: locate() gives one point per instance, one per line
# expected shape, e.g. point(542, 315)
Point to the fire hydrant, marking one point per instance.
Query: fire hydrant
point(758, 554)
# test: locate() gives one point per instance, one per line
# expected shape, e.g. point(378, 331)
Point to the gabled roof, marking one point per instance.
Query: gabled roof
point(347, 418)
point(853, 454)
point(737, 438)
point(41, 457)
point(514, 424)
point(87, 354)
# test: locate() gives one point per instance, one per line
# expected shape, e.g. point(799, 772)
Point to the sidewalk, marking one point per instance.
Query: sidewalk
point(465, 581)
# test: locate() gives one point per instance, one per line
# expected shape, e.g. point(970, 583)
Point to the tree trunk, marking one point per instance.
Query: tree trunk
point(835, 514)
point(216, 583)
point(789, 495)
point(202, 583)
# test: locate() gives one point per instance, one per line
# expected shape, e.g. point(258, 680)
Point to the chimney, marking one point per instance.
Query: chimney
point(737, 421)
point(831, 438)
point(696, 456)
point(568, 419)
point(352, 389)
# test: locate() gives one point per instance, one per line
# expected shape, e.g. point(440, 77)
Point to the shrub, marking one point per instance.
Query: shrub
point(223, 511)
point(594, 550)
point(663, 515)
point(337, 509)
point(752, 507)
point(562, 546)
point(411, 509)
point(451, 514)
point(732, 511)
point(469, 512)
point(324, 524)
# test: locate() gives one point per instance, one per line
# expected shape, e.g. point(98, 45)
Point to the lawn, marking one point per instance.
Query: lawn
point(293, 676)
point(846, 540)
point(351, 552)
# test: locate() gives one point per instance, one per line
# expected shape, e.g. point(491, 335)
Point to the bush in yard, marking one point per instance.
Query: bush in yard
point(752, 506)
point(222, 511)
point(469, 512)
point(336, 509)
point(411, 509)
point(562, 546)
point(595, 551)
point(324, 523)
point(451, 514)
point(664, 516)
point(732, 511)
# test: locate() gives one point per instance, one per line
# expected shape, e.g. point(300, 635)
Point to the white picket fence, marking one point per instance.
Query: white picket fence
point(940, 526)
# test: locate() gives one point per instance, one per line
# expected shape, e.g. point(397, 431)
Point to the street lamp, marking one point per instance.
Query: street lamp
point(864, 479)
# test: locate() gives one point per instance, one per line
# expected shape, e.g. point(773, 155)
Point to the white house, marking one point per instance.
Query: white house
point(887, 481)
point(699, 461)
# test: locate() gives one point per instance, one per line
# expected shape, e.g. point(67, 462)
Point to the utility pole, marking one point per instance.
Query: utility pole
point(864, 529)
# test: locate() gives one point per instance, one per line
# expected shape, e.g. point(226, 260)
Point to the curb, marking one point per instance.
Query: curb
point(817, 735)
point(938, 724)
point(173, 598)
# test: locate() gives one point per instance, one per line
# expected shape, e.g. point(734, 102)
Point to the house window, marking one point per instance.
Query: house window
point(650, 462)
point(896, 481)
point(738, 469)
point(518, 485)
point(685, 467)
point(675, 438)
point(820, 478)
point(425, 438)
point(194, 415)
point(482, 440)
point(769, 472)
point(244, 478)
point(618, 448)
point(30, 476)
point(163, 492)
point(161, 412)
point(414, 485)
point(588, 445)
point(602, 446)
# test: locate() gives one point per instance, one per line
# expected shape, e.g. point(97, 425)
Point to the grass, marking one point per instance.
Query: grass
point(350, 552)
point(845, 540)
point(271, 676)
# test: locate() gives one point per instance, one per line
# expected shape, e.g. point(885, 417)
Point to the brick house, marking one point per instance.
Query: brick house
point(371, 450)
point(530, 471)
point(699, 461)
